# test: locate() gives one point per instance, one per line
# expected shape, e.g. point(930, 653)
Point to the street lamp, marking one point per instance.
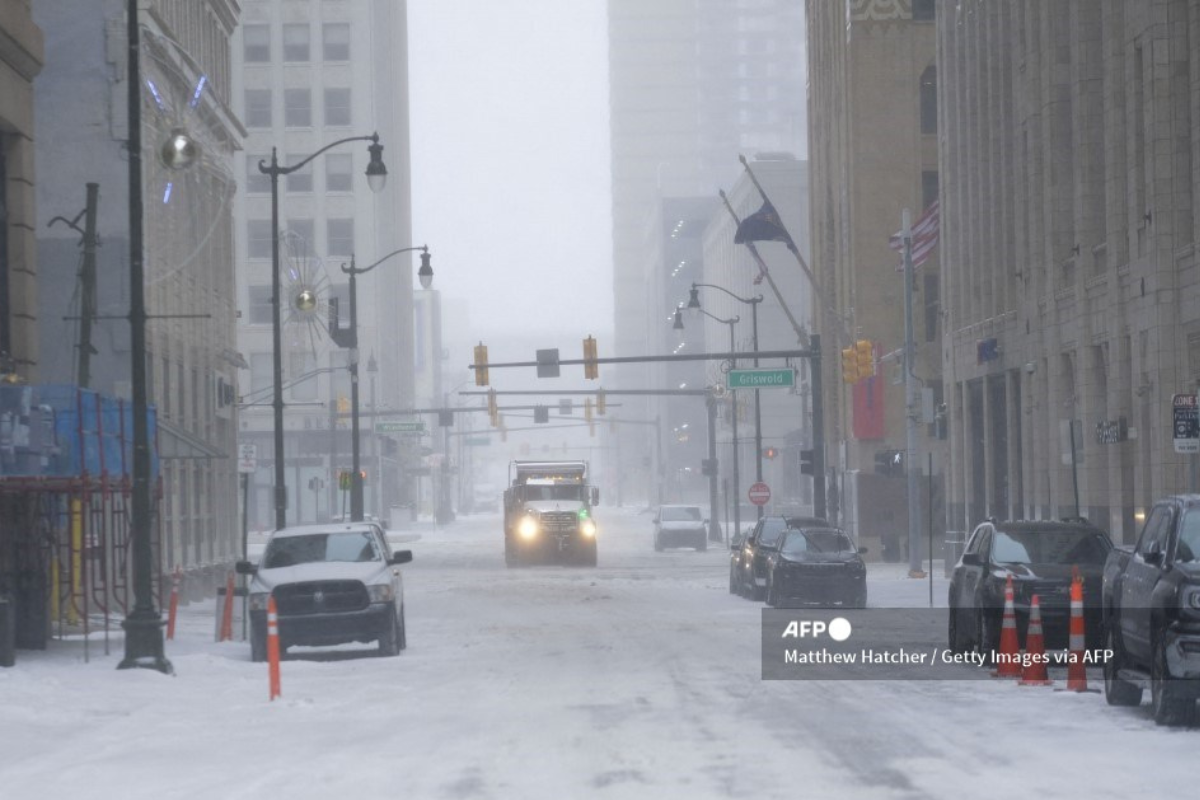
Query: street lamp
point(678, 325)
point(693, 304)
point(376, 178)
point(350, 340)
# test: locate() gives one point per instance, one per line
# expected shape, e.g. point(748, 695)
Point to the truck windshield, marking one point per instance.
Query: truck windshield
point(564, 491)
point(1189, 537)
point(287, 551)
point(1048, 547)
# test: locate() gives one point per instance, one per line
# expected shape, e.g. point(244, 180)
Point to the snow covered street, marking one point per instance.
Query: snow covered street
point(640, 678)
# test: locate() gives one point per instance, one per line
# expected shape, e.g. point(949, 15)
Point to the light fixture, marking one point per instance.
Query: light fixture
point(305, 301)
point(678, 324)
point(425, 273)
point(376, 171)
point(693, 303)
point(179, 151)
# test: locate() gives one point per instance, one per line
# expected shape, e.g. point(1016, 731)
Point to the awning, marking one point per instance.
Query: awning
point(174, 442)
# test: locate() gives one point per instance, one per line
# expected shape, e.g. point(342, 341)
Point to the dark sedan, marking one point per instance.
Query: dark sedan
point(816, 566)
point(1041, 557)
point(748, 557)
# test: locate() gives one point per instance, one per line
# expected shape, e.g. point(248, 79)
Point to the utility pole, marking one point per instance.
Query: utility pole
point(87, 286)
point(910, 410)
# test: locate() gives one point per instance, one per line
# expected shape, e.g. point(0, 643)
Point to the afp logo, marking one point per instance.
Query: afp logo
point(837, 629)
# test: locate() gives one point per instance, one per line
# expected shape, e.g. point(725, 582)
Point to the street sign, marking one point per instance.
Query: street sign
point(761, 378)
point(415, 427)
point(247, 457)
point(759, 493)
point(1186, 423)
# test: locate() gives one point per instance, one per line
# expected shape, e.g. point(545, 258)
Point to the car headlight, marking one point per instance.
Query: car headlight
point(258, 601)
point(587, 528)
point(527, 528)
point(380, 593)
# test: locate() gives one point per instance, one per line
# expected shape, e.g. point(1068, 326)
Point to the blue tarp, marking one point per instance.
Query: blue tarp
point(62, 431)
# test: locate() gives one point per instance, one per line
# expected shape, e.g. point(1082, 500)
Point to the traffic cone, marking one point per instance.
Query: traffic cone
point(1076, 671)
point(1034, 672)
point(1010, 648)
point(173, 608)
point(273, 647)
point(227, 611)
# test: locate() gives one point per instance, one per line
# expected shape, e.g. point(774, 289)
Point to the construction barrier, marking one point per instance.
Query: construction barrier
point(1034, 669)
point(173, 607)
point(273, 647)
point(1010, 648)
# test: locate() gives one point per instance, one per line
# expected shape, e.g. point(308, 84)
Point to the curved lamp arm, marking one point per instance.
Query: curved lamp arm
point(376, 171)
point(694, 301)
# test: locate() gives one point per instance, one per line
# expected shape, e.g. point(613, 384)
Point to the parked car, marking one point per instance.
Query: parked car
point(680, 526)
point(1041, 557)
point(816, 565)
point(748, 556)
point(1152, 614)
point(333, 583)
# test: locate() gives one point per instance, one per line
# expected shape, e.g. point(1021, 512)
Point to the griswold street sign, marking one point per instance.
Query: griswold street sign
point(761, 378)
point(395, 426)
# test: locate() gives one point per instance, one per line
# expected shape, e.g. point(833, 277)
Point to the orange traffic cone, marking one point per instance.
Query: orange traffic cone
point(1076, 671)
point(273, 647)
point(1034, 672)
point(1010, 648)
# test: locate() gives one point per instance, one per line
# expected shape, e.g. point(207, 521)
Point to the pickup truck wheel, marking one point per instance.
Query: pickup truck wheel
point(389, 638)
point(1168, 709)
point(1118, 692)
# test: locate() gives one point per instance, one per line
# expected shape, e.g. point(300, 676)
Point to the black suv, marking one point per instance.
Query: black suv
point(748, 556)
point(1042, 557)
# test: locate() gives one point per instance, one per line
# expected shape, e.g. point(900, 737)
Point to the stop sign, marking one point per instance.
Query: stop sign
point(759, 493)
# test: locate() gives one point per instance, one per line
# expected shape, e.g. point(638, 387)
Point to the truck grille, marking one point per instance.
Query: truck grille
point(557, 522)
point(320, 597)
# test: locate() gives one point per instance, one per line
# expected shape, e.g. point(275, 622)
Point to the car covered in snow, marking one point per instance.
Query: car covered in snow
point(680, 526)
point(333, 584)
point(816, 565)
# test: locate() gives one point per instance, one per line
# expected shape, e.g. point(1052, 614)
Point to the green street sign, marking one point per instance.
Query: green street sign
point(762, 378)
point(477, 441)
point(416, 427)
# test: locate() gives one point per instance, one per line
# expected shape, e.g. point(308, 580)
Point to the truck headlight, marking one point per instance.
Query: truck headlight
point(258, 601)
point(380, 593)
point(587, 528)
point(527, 528)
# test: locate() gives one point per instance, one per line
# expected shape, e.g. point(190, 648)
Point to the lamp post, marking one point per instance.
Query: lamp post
point(737, 486)
point(376, 179)
point(425, 273)
point(694, 305)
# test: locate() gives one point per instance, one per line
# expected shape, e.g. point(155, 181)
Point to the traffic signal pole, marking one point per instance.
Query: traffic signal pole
point(911, 465)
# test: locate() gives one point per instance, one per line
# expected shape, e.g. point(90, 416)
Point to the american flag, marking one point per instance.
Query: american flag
point(924, 236)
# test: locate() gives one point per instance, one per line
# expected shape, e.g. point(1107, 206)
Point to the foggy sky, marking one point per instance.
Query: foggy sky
point(510, 160)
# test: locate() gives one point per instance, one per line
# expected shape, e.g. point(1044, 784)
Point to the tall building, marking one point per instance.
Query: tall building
point(873, 153)
point(191, 356)
point(306, 75)
point(1071, 156)
point(20, 62)
point(693, 84)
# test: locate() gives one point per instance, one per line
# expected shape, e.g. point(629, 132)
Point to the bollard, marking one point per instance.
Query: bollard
point(273, 647)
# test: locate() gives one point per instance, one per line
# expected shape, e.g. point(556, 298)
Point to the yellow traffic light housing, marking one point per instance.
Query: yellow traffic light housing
point(481, 370)
point(343, 404)
point(591, 370)
point(587, 414)
point(600, 402)
point(493, 409)
point(849, 365)
point(864, 351)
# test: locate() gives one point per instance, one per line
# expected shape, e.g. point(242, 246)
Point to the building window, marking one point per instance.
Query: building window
point(258, 238)
point(303, 381)
point(262, 373)
point(295, 42)
point(929, 100)
point(929, 188)
point(297, 108)
point(336, 40)
point(302, 179)
point(257, 182)
point(337, 106)
point(256, 44)
point(260, 305)
point(340, 237)
point(304, 236)
point(924, 10)
point(338, 172)
point(258, 108)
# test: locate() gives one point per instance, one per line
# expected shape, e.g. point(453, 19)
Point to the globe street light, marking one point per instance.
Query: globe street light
point(678, 325)
point(693, 304)
point(350, 340)
point(376, 179)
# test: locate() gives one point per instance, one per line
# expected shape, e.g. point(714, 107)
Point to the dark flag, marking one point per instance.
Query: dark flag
point(763, 225)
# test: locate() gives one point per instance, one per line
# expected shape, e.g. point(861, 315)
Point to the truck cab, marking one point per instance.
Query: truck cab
point(548, 513)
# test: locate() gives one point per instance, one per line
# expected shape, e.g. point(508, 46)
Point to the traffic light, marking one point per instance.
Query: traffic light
point(864, 352)
point(849, 365)
point(889, 462)
point(807, 462)
point(587, 414)
point(493, 410)
point(591, 370)
point(445, 419)
point(770, 452)
point(600, 402)
point(343, 404)
point(541, 414)
point(481, 370)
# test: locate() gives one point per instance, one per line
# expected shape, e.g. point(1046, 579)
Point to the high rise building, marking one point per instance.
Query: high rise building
point(306, 75)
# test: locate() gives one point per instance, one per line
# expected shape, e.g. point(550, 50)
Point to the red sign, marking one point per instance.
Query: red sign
point(759, 493)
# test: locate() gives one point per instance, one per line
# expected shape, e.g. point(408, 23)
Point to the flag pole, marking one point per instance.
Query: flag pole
point(801, 334)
